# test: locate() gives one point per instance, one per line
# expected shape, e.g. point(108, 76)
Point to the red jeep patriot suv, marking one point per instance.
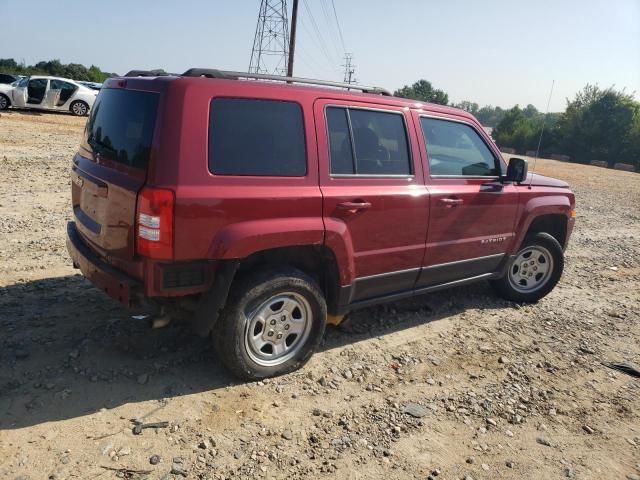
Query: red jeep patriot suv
point(266, 209)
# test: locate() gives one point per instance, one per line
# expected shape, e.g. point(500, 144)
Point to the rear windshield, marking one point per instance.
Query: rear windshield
point(121, 124)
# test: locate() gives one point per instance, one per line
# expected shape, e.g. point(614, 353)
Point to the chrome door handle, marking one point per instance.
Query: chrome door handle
point(354, 205)
point(451, 202)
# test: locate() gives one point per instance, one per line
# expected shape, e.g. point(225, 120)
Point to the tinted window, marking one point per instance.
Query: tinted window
point(379, 142)
point(5, 78)
point(121, 125)
point(256, 137)
point(38, 83)
point(339, 141)
point(66, 90)
point(61, 85)
point(456, 149)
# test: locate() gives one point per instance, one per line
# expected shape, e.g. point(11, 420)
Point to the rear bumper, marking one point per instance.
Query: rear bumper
point(114, 283)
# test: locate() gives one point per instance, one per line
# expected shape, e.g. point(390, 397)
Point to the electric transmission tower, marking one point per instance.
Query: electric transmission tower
point(349, 69)
point(270, 53)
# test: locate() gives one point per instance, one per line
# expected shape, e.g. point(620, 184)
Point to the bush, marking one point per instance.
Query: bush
point(74, 71)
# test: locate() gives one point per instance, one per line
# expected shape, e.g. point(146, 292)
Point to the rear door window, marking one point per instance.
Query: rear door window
point(66, 90)
point(121, 125)
point(456, 149)
point(256, 137)
point(367, 142)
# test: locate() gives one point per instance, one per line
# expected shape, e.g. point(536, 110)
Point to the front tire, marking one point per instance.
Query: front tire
point(534, 271)
point(4, 102)
point(271, 325)
point(79, 108)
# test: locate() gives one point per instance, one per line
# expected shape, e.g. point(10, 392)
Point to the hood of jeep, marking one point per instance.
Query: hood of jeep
point(542, 181)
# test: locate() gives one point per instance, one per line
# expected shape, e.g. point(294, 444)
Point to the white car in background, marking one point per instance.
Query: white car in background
point(48, 93)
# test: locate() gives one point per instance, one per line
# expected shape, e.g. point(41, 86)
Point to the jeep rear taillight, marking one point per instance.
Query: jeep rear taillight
point(154, 223)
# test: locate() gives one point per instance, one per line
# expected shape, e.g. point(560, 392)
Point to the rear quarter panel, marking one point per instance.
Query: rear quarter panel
point(220, 216)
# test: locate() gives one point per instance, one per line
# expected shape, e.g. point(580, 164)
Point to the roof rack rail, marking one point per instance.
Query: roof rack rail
point(229, 75)
point(148, 73)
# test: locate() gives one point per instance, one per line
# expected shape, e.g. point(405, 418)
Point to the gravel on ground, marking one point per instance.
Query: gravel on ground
point(456, 384)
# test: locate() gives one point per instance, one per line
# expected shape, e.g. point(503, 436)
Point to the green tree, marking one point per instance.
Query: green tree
point(490, 116)
point(601, 124)
point(530, 111)
point(8, 64)
point(97, 75)
point(75, 71)
point(468, 106)
point(423, 90)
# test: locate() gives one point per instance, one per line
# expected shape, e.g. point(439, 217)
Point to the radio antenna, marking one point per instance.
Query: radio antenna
point(544, 121)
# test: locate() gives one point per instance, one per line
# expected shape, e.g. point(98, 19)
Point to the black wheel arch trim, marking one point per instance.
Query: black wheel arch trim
point(213, 301)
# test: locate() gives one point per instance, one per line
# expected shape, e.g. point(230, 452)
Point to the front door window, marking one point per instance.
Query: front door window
point(455, 149)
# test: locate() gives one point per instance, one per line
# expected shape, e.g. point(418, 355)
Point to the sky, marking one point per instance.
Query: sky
point(493, 52)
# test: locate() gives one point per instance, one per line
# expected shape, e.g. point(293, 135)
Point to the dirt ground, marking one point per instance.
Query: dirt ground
point(452, 385)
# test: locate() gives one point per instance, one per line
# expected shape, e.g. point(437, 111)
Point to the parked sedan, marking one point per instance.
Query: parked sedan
point(91, 85)
point(48, 93)
point(8, 78)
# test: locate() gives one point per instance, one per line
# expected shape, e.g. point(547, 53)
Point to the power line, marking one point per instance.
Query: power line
point(335, 13)
point(325, 58)
point(307, 60)
point(314, 24)
point(330, 27)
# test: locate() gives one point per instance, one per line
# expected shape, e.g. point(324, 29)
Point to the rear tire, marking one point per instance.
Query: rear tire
point(79, 108)
point(271, 325)
point(534, 271)
point(4, 102)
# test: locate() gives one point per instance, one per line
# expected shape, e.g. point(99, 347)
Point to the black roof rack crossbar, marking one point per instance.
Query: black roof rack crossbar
point(213, 73)
point(148, 73)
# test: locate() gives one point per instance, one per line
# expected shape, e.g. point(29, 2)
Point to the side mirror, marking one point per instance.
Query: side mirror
point(517, 170)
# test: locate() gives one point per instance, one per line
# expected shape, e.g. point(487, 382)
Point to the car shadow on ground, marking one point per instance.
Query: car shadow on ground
point(36, 113)
point(67, 350)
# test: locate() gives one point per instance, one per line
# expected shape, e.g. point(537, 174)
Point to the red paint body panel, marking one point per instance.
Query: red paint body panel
point(457, 232)
point(541, 201)
point(407, 226)
point(390, 235)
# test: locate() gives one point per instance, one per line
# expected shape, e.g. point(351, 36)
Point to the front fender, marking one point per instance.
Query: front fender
point(535, 207)
point(239, 240)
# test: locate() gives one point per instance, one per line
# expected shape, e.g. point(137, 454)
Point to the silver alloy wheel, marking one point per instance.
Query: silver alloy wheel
point(277, 329)
point(531, 269)
point(4, 104)
point(79, 109)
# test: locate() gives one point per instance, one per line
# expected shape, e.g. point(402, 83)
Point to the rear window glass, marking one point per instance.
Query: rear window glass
point(121, 125)
point(256, 137)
